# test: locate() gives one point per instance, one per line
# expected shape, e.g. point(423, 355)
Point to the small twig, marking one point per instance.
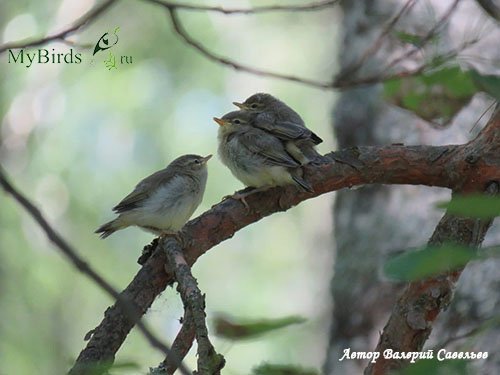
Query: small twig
point(452, 339)
point(180, 347)
point(262, 9)
point(378, 43)
point(474, 331)
point(94, 13)
point(430, 34)
point(382, 78)
point(445, 57)
point(71, 43)
point(490, 7)
point(209, 362)
point(384, 75)
point(78, 25)
point(179, 29)
point(129, 309)
point(482, 115)
point(338, 83)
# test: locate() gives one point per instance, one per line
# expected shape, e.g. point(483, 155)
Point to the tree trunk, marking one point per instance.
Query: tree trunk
point(373, 222)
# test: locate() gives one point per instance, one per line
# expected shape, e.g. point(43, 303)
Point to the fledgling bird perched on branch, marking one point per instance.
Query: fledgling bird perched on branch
point(163, 202)
point(254, 156)
point(275, 117)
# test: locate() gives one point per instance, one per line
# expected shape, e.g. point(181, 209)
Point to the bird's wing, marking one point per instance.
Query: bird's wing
point(286, 130)
point(143, 191)
point(269, 147)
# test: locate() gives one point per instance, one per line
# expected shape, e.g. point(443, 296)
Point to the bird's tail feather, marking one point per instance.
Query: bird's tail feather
point(310, 152)
point(109, 228)
point(303, 183)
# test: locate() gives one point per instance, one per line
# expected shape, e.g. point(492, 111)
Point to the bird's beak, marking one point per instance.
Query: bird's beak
point(240, 105)
point(220, 121)
point(206, 158)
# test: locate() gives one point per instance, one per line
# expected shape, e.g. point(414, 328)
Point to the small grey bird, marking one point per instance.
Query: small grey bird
point(163, 202)
point(275, 117)
point(254, 156)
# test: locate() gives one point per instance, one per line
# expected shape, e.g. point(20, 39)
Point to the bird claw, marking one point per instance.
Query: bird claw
point(181, 237)
point(239, 197)
point(176, 235)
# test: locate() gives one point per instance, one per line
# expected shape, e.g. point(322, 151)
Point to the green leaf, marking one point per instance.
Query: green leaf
point(435, 96)
point(474, 205)
point(269, 369)
point(392, 87)
point(415, 39)
point(405, 37)
point(435, 367)
point(454, 79)
point(431, 261)
point(244, 329)
point(490, 84)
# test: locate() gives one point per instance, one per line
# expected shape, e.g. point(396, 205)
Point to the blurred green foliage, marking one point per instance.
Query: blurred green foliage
point(410, 38)
point(77, 137)
point(438, 95)
point(436, 367)
point(488, 83)
point(434, 96)
point(242, 329)
point(427, 262)
point(473, 205)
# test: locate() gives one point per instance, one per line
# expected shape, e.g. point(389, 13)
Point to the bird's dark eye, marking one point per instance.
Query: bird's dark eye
point(197, 161)
point(237, 121)
point(254, 105)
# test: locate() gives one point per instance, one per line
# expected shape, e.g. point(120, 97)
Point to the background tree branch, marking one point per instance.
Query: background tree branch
point(490, 7)
point(369, 52)
point(347, 78)
point(319, 5)
point(412, 318)
point(342, 80)
point(200, 47)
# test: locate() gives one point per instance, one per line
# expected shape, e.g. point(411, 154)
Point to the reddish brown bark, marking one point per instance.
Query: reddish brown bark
point(468, 167)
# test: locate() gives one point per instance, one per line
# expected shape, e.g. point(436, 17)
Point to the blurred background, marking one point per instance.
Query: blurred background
point(76, 138)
